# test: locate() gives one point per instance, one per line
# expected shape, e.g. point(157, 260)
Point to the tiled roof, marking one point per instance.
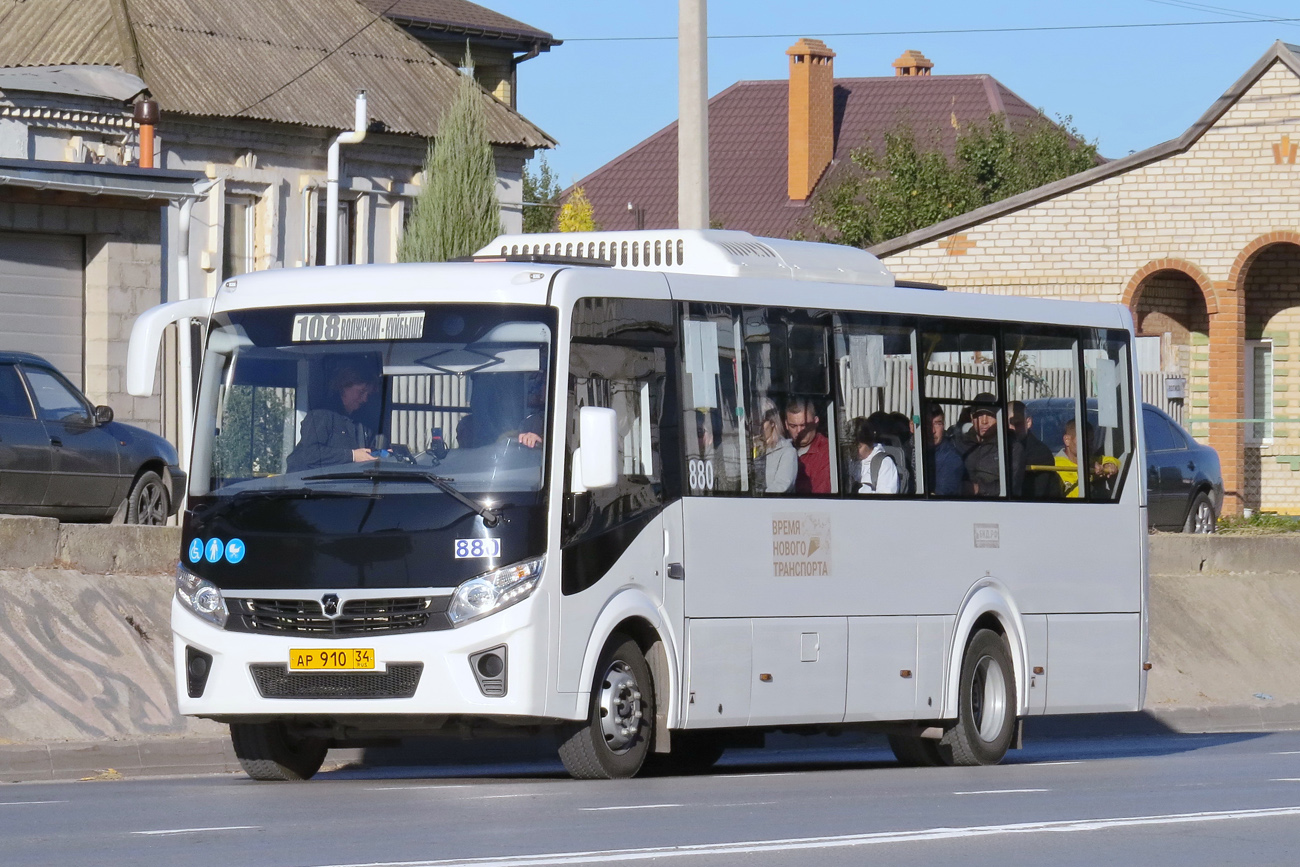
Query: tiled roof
point(748, 147)
point(216, 59)
point(458, 16)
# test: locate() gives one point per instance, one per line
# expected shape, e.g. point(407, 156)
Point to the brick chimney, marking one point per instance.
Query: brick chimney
point(912, 63)
point(812, 115)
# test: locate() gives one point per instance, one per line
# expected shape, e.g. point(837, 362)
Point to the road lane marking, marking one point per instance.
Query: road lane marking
point(27, 803)
point(490, 797)
point(407, 788)
point(628, 807)
point(1286, 780)
point(1049, 764)
point(1288, 753)
point(751, 776)
point(170, 831)
point(838, 842)
point(1002, 791)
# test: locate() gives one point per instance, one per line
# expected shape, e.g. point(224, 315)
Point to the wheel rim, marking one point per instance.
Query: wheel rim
point(1204, 518)
point(149, 505)
point(988, 697)
point(621, 710)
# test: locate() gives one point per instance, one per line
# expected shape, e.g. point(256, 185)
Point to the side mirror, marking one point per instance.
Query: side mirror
point(103, 415)
point(598, 455)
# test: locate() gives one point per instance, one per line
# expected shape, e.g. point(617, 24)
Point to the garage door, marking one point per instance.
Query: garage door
point(41, 298)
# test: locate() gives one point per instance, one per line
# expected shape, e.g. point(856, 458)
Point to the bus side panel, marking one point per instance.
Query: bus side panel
point(1035, 626)
point(719, 671)
point(883, 667)
point(1095, 663)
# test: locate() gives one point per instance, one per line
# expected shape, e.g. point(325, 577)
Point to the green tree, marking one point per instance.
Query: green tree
point(907, 184)
point(457, 211)
point(541, 198)
point(577, 215)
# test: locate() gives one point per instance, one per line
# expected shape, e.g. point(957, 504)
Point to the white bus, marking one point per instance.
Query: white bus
point(628, 488)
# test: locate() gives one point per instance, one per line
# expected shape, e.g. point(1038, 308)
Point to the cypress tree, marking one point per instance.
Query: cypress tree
point(457, 211)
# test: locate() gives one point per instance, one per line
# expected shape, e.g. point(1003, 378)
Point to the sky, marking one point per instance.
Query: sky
point(1125, 87)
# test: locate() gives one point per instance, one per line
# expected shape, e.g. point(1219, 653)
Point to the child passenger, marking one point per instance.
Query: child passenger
point(878, 474)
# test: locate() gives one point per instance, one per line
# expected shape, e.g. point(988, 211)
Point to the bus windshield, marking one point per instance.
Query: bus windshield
point(362, 400)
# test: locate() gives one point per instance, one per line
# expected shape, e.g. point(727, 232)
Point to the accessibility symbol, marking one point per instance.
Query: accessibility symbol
point(196, 550)
point(215, 550)
point(234, 550)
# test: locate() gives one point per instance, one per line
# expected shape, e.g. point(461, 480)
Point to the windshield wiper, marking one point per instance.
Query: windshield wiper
point(491, 517)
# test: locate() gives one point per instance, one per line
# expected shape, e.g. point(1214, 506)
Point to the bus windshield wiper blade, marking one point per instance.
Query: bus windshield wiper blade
point(491, 517)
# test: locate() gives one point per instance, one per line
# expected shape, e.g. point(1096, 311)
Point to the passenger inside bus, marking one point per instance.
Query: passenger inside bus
point(504, 405)
point(342, 431)
point(1103, 470)
point(877, 463)
point(948, 469)
point(802, 420)
point(1041, 481)
point(780, 462)
point(981, 452)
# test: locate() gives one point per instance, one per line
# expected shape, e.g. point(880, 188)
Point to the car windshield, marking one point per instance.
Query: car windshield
point(303, 401)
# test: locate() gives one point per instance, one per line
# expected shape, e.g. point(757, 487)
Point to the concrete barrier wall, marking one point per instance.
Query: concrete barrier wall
point(85, 642)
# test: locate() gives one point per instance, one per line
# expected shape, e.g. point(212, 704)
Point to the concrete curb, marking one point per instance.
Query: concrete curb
point(1181, 554)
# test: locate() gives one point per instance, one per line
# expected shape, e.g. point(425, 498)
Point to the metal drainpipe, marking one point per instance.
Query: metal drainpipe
point(146, 116)
point(332, 179)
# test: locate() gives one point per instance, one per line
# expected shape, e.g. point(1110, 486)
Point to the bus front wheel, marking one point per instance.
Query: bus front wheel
point(615, 739)
point(273, 752)
point(986, 708)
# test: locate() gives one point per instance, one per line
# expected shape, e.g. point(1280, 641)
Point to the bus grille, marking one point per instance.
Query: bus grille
point(357, 617)
point(399, 681)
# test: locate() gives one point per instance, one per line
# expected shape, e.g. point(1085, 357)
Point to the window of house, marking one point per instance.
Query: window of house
point(237, 236)
point(1259, 391)
point(347, 223)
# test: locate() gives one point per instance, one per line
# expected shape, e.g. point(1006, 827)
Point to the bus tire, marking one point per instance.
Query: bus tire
point(271, 752)
point(986, 704)
point(916, 752)
point(614, 741)
point(693, 752)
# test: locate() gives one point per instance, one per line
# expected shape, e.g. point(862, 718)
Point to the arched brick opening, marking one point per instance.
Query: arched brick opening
point(1269, 281)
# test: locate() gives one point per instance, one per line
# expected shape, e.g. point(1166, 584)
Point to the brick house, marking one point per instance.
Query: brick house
point(773, 144)
point(1200, 237)
point(250, 95)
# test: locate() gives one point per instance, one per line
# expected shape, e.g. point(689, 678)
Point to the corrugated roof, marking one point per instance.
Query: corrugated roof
point(459, 16)
point(748, 147)
point(227, 58)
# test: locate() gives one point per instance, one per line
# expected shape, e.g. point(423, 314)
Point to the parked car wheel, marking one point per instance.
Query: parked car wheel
point(1201, 517)
point(148, 502)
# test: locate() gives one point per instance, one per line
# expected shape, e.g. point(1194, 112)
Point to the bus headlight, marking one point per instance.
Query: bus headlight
point(492, 591)
point(201, 596)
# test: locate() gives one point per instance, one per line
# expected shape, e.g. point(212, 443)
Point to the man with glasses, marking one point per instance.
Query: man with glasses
point(801, 421)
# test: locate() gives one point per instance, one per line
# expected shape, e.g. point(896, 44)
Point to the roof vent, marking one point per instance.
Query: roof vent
point(714, 252)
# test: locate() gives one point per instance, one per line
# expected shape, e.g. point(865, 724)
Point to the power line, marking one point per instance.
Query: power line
point(969, 30)
point(1202, 7)
point(327, 56)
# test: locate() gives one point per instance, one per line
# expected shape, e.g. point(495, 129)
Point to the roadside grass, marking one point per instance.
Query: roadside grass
point(1258, 524)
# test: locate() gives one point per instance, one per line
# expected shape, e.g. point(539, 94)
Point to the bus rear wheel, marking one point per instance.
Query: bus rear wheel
point(614, 741)
point(273, 752)
point(986, 704)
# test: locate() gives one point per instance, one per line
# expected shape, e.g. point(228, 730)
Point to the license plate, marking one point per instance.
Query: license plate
point(331, 659)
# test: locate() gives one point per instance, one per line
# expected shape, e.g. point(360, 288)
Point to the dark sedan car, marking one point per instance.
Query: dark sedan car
point(1184, 482)
point(62, 457)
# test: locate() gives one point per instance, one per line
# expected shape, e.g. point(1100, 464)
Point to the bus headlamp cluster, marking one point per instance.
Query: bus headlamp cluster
point(492, 591)
point(201, 597)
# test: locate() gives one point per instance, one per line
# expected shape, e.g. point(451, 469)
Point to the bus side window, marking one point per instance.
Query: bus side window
point(619, 359)
point(966, 432)
point(1107, 446)
point(874, 358)
point(790, 404)
point(1041, 366)
point(714, 406)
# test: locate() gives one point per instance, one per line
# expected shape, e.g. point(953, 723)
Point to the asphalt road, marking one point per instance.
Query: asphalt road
point(1149, 800)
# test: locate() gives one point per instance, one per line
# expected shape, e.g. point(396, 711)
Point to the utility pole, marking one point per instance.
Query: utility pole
point(692, 114)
